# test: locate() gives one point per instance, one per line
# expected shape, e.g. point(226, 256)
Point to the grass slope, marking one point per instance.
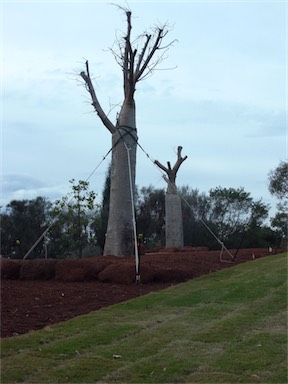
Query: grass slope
point(226, 327)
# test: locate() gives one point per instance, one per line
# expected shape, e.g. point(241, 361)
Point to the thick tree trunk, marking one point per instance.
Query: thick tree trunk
point(173, 207)
point(119, 236)
point(173, 221)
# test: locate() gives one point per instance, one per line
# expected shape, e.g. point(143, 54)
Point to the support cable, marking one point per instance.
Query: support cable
point(48, 228)
point(223, 247)
point(133, 216)
point(137, 261)
point(37, 241)
point(89, 177)
point(127, 130)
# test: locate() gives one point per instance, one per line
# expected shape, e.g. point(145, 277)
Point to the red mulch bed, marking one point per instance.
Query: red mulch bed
point(36, 293)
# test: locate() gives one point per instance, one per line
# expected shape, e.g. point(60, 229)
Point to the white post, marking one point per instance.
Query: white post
point(133, 217)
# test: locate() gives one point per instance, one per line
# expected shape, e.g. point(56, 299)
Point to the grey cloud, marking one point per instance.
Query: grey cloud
point(264, 121)
point(25, 187)
point(13, 182)
point(251, 121)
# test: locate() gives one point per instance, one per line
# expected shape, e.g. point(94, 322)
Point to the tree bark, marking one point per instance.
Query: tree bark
point(173, 221)
point(173, 207)
point(119, 236)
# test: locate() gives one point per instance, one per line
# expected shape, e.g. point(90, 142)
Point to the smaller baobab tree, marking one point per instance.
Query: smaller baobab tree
point(173, 208)
point(137, 58)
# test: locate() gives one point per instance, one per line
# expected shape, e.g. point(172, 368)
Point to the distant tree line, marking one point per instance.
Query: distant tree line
point(77, 223)
point(231, 214)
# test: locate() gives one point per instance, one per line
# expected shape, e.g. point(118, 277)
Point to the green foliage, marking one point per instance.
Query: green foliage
point(194, 208)
point(262, 237)
point(278, 181)
point(150, 212)
point(233, 211)
point(21, 225)
point(231, 214)
point(225, 327)
point(100, 221)
point(70, 232)
point(278, 187)
point(279, 222)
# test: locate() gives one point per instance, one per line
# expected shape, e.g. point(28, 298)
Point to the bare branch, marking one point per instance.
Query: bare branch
point(127, 53)
point(148, 38)
point(137, 66)
point(172, 172)
point(161, 166)
point(179, 159)
point(128, 61)
point(86, 77)
point(149, 57)
point(117, 56)
point(121, 7)
point(153, 66)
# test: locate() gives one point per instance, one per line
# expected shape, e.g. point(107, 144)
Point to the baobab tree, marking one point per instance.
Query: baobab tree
point(136, 63)
point(173, 207)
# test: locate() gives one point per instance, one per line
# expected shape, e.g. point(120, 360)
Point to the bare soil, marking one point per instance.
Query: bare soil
point(37, 293)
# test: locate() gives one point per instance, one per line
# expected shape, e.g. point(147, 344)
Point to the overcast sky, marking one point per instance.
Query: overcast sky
point(224, 101)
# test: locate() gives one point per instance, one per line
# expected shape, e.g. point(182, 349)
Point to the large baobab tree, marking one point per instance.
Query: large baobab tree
point(136, 63)
point(173, 207)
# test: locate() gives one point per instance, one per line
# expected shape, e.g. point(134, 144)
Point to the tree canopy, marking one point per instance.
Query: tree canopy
point(73, 214)
point(278, 187)
point(278, 181)
point(79, 223)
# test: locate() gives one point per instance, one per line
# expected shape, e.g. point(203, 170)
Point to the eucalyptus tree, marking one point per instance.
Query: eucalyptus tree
point(278, 187)
point(233, 211)
point(279, 223)
point(278, 181)
point(173, 207)
point(136, 61)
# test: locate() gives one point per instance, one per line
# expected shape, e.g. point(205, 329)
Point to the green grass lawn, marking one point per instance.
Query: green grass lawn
point(226, 327)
